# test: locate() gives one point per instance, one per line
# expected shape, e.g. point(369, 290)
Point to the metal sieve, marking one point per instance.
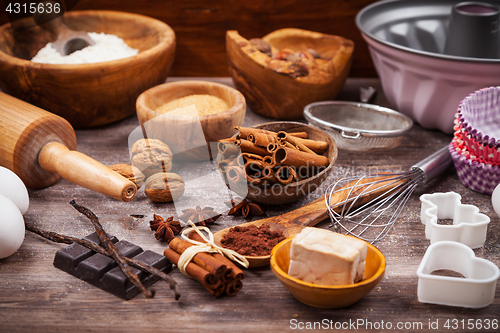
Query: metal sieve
point(359, 126)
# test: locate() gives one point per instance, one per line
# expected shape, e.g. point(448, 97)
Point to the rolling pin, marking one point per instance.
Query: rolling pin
point(39, 147)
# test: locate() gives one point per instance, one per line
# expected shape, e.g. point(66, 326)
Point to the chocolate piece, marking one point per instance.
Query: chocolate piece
point(102, 271)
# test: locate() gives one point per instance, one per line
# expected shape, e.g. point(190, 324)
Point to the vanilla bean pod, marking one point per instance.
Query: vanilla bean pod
point(58, 238)
point(111, 248)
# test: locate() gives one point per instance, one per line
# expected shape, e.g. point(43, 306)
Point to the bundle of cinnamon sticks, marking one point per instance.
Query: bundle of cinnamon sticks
point(214, 271)
point(263, 157)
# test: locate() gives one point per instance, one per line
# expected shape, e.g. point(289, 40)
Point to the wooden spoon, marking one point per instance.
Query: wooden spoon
point(293, 222)
point(68, 41)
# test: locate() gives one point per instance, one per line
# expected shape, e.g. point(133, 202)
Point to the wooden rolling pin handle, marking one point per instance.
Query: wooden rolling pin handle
point(83, 170)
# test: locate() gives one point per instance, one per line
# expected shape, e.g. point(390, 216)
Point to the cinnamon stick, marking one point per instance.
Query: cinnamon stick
point(235, 174)
point(207, 279)
point(297, 142)
point(269, 161)
point(269, 174)
point(228, 146)
point(284, 175)
point(262, 139)
point(302, 135)
point(272, 147)
point(250, 147)
point(233, 287)
point(319, 147)
point(297, 158)
point(253, 170)
point(204, 260)
point(245, 131)
point(251, 157)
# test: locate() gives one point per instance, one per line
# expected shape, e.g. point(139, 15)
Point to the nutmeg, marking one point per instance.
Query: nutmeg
point(164, 187)
point(130, 172)
point(151, 156)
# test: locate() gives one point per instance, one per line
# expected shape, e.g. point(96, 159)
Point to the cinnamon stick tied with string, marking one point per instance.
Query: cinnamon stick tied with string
point(208, 280)
point(237, 273)
point(214, 273)
point(204, 260)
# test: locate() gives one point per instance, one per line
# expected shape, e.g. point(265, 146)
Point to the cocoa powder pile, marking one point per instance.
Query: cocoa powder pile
point(252, 240)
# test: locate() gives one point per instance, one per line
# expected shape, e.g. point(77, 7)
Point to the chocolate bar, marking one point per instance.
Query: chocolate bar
point(103, 272)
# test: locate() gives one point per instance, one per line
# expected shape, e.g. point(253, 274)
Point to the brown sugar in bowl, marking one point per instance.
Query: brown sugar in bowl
point(190, 137)
point(87, 94)
point(280, 96)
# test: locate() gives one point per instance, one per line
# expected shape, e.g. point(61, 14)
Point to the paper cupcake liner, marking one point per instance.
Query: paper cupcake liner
point(477, 176)
point(479, 116)
point(485, 152)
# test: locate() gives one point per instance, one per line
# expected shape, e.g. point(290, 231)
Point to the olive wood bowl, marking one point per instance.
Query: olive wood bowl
point(328, 296)
point(278, 194)
point(87, 94)
point(190, 138)
point(279, 96)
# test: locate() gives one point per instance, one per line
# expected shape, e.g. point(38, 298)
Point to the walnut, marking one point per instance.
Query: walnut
point(261, 45)
point(130, 172)
point(291, 68)
point(164, 187)
point(151, 156)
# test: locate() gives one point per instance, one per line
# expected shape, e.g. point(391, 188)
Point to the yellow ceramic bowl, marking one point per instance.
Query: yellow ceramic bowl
point(327, 296)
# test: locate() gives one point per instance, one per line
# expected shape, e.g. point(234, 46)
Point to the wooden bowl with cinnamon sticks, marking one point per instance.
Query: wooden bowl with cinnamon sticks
point(276, 163)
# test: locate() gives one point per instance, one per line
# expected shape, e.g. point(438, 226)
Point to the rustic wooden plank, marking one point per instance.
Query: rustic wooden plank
point(35, 296)
point(200, 26)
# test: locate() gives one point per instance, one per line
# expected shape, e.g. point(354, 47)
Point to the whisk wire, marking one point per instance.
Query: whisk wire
point(356, 217)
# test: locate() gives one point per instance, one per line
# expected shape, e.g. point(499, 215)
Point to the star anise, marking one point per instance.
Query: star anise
point(200, 216)
point(165, 229)
point(244, 207)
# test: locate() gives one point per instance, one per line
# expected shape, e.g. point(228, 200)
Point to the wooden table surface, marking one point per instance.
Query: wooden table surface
point(37, 297)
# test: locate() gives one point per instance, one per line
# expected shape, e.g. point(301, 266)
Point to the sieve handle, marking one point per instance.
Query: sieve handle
point(347, 136)
point(434, 164)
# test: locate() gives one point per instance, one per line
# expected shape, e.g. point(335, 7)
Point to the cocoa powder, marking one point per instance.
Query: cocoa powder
point(252, 240)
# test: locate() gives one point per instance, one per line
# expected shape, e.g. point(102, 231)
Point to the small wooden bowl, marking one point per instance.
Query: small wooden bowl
point(283, 194)
point(87, 94)
point(327, 296)
point(190, 138)
point(279, 96)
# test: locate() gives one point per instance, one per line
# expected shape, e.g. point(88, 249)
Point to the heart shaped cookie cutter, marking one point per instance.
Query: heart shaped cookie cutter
point(469, 226)
point(476, 290)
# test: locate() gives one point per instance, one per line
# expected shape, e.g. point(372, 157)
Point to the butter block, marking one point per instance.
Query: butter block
point(325, 257)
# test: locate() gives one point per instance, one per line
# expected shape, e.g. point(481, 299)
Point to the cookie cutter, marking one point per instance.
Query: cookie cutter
point(469, 226)
point(476, 290)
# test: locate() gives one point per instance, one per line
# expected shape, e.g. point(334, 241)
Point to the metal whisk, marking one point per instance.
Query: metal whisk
point(367, 207)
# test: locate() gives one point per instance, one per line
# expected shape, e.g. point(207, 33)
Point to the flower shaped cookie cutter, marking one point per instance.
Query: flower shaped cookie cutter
point(469, 226)
point(476, 290)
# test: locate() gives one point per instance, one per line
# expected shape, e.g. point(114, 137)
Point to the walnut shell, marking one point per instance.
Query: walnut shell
point(130, 172)
point(164, 187)
point(151, 156)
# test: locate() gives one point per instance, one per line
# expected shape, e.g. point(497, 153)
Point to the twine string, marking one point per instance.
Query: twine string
point(208, 247)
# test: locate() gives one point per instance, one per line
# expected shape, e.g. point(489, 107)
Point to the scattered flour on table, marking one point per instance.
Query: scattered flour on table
point(106, 48)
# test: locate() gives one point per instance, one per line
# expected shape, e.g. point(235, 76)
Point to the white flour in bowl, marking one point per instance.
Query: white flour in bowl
point(106, 48)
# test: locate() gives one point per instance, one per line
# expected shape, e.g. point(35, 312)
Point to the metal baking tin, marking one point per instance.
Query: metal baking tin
point(416, 26)
point(359, 126)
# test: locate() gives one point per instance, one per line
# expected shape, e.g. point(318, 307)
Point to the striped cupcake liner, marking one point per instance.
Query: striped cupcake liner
point(472, 171)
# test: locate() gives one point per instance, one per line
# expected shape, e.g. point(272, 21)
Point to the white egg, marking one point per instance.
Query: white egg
point(495, 199)
point(11, 227)
point(13, 188)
